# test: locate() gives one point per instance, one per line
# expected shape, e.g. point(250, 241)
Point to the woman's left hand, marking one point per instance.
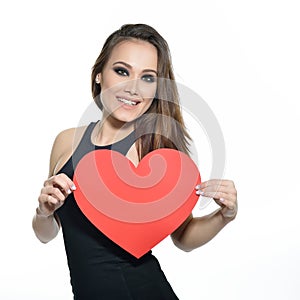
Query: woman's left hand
point(224, 194)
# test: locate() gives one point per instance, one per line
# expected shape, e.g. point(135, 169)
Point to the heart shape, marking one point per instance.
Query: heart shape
point(136, 207)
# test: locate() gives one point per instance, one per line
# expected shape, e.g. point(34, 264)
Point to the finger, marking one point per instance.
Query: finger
point(48, 199)
point(62, 181)
point(54, 192)
point(216, 195)
point(228, 204)
point(215, 182)
point(215, 188)
point(219, 202)
point(229, 213)
point(230, 210)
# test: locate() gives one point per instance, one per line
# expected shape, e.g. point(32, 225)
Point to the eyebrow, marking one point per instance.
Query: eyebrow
point(130, 67)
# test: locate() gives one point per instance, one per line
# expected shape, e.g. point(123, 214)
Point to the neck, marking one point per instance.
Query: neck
point(110, 130)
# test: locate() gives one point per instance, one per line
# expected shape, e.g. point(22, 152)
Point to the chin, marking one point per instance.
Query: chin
point(125, 119)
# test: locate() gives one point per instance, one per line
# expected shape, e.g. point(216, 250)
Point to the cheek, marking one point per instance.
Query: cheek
point(109, 88)
point(107, 99)
point(147, 105)
point(109, 83)
point(148, 91)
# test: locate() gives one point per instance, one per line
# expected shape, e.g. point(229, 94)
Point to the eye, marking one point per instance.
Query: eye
point(121, 71)
point(149, 78)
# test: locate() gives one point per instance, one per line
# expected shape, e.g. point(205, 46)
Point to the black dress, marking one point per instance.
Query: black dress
point(99, 268)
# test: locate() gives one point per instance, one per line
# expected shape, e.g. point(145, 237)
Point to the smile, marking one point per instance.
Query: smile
point(128, 102)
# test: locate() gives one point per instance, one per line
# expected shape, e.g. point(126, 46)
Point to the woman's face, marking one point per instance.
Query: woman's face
point(128, 80)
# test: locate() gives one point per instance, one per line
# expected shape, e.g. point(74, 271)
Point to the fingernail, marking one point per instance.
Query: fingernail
point(69, 191)
point(73, 187)
point(197, 186)
point(199, 192)
point(222, 199)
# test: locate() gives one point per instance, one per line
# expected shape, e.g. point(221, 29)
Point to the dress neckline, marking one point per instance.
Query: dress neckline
point(130, 136)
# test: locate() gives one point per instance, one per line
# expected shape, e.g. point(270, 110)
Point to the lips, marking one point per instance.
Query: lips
point(130, 102)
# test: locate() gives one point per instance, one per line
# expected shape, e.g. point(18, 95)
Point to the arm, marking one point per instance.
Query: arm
point(195, 232)
point(45, 227)
point(55, 190)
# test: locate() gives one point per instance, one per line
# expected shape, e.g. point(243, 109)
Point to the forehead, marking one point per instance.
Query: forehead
point(136, 53)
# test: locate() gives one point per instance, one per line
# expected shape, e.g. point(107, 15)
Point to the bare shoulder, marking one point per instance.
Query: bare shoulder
point(63, 147)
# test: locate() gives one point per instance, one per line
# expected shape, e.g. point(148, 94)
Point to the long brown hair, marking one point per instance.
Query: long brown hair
point(162, 125)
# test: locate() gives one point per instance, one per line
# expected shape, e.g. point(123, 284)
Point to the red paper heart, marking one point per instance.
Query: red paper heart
point(136, 207)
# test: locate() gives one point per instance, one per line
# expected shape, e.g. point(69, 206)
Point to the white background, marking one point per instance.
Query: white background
point(241, 57)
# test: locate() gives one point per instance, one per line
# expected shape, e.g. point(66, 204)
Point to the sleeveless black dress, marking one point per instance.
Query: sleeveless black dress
point(99, 268)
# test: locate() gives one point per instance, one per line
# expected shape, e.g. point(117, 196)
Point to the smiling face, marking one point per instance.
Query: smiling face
point(129, 80)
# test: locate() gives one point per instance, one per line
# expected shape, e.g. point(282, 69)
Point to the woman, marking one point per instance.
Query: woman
point(127, 86)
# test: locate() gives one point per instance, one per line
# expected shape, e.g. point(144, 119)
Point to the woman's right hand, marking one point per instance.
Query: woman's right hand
point(54, 193)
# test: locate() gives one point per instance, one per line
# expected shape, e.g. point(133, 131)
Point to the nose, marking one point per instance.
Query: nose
point(131, 87)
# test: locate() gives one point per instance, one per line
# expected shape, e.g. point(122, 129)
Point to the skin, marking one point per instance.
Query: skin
point(129, 74)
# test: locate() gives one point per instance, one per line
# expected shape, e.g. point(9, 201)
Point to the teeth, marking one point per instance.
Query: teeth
point(128, 102)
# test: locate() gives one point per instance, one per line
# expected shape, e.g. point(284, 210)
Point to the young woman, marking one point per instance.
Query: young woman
point(129, 86)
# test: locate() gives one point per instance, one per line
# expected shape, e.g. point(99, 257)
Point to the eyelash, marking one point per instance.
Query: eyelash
point(123, 72)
